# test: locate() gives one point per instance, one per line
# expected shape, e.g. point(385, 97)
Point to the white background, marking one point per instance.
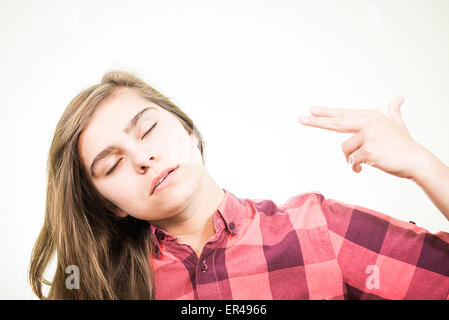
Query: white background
point(244, 71)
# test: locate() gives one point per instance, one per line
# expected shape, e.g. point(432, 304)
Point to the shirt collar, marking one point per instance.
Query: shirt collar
point(231, 210)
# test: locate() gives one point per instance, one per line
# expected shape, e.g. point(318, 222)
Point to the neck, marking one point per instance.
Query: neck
point(194, 225)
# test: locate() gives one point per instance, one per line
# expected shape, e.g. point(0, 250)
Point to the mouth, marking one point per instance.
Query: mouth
point(161, 177)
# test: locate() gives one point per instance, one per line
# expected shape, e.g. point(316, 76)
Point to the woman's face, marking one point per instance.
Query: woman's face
point(125, 175)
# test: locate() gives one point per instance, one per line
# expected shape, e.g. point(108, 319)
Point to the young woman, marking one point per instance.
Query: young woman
point(132, 207)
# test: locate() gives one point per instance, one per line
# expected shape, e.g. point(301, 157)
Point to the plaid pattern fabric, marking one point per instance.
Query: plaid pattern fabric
point(310, 247)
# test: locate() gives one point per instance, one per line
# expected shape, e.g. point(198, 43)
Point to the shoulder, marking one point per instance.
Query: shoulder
point(303, 210)
point(302, 199)
point(270, 207)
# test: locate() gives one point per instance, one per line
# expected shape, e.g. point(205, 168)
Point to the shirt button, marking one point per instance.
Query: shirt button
point(160, 236)
point(232, 225)
point(204, 266)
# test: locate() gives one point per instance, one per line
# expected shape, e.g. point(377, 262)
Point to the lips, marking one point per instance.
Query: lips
point(161, 175)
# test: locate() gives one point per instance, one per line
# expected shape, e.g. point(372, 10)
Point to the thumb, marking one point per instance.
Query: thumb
point(394, 112)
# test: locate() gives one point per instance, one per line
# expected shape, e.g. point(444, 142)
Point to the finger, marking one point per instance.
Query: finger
point(356, 167)
point(321, 111)
point(394, 113)
point(346, 124)
point(352, 144)
point(356, 159)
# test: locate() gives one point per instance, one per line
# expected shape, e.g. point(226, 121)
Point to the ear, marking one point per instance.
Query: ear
point(116, 210)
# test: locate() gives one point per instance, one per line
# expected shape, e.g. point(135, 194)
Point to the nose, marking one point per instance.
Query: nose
point(143, 161)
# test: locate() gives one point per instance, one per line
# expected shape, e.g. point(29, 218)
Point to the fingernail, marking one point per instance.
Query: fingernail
point(304, 119)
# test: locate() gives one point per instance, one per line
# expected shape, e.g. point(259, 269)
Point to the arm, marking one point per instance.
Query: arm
point(432, 175)
point(384, 142)
point(382, 257)
point(385, 258)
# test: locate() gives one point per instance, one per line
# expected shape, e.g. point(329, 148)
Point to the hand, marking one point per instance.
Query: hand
point(380, 141)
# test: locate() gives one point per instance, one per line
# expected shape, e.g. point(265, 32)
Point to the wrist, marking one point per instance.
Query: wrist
point(428, 168)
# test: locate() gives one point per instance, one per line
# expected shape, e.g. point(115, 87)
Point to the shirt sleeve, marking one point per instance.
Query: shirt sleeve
point(386, 258)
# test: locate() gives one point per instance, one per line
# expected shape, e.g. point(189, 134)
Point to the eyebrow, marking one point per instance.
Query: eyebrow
point(108, 150)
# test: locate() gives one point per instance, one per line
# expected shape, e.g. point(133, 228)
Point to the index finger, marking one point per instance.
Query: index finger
point(343, 124)
point(322, 111)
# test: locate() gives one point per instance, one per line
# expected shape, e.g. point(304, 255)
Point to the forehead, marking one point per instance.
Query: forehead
point(111, 116)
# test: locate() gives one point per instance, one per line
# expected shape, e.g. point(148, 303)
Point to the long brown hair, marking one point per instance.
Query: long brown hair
point(111, 253)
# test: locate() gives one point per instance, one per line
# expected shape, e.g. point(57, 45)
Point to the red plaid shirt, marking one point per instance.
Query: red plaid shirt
point(308, 248)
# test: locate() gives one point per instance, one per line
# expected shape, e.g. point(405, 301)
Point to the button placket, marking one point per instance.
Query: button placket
point(206, 273)
point(203, 266)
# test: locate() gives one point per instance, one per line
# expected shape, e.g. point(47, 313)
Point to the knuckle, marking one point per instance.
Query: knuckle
point(378, 115)
point(335, 124)
point(368, 152)
point(363, 134)
point(367, 135)
point(371, 121)
point(374, 112)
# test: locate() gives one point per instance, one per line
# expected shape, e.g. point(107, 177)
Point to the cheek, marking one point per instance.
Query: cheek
point(121, 191)
point(181, 149)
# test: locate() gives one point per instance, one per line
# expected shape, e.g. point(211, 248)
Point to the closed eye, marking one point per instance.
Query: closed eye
point(115, 165)
point(149, 130)
point(112, 169)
